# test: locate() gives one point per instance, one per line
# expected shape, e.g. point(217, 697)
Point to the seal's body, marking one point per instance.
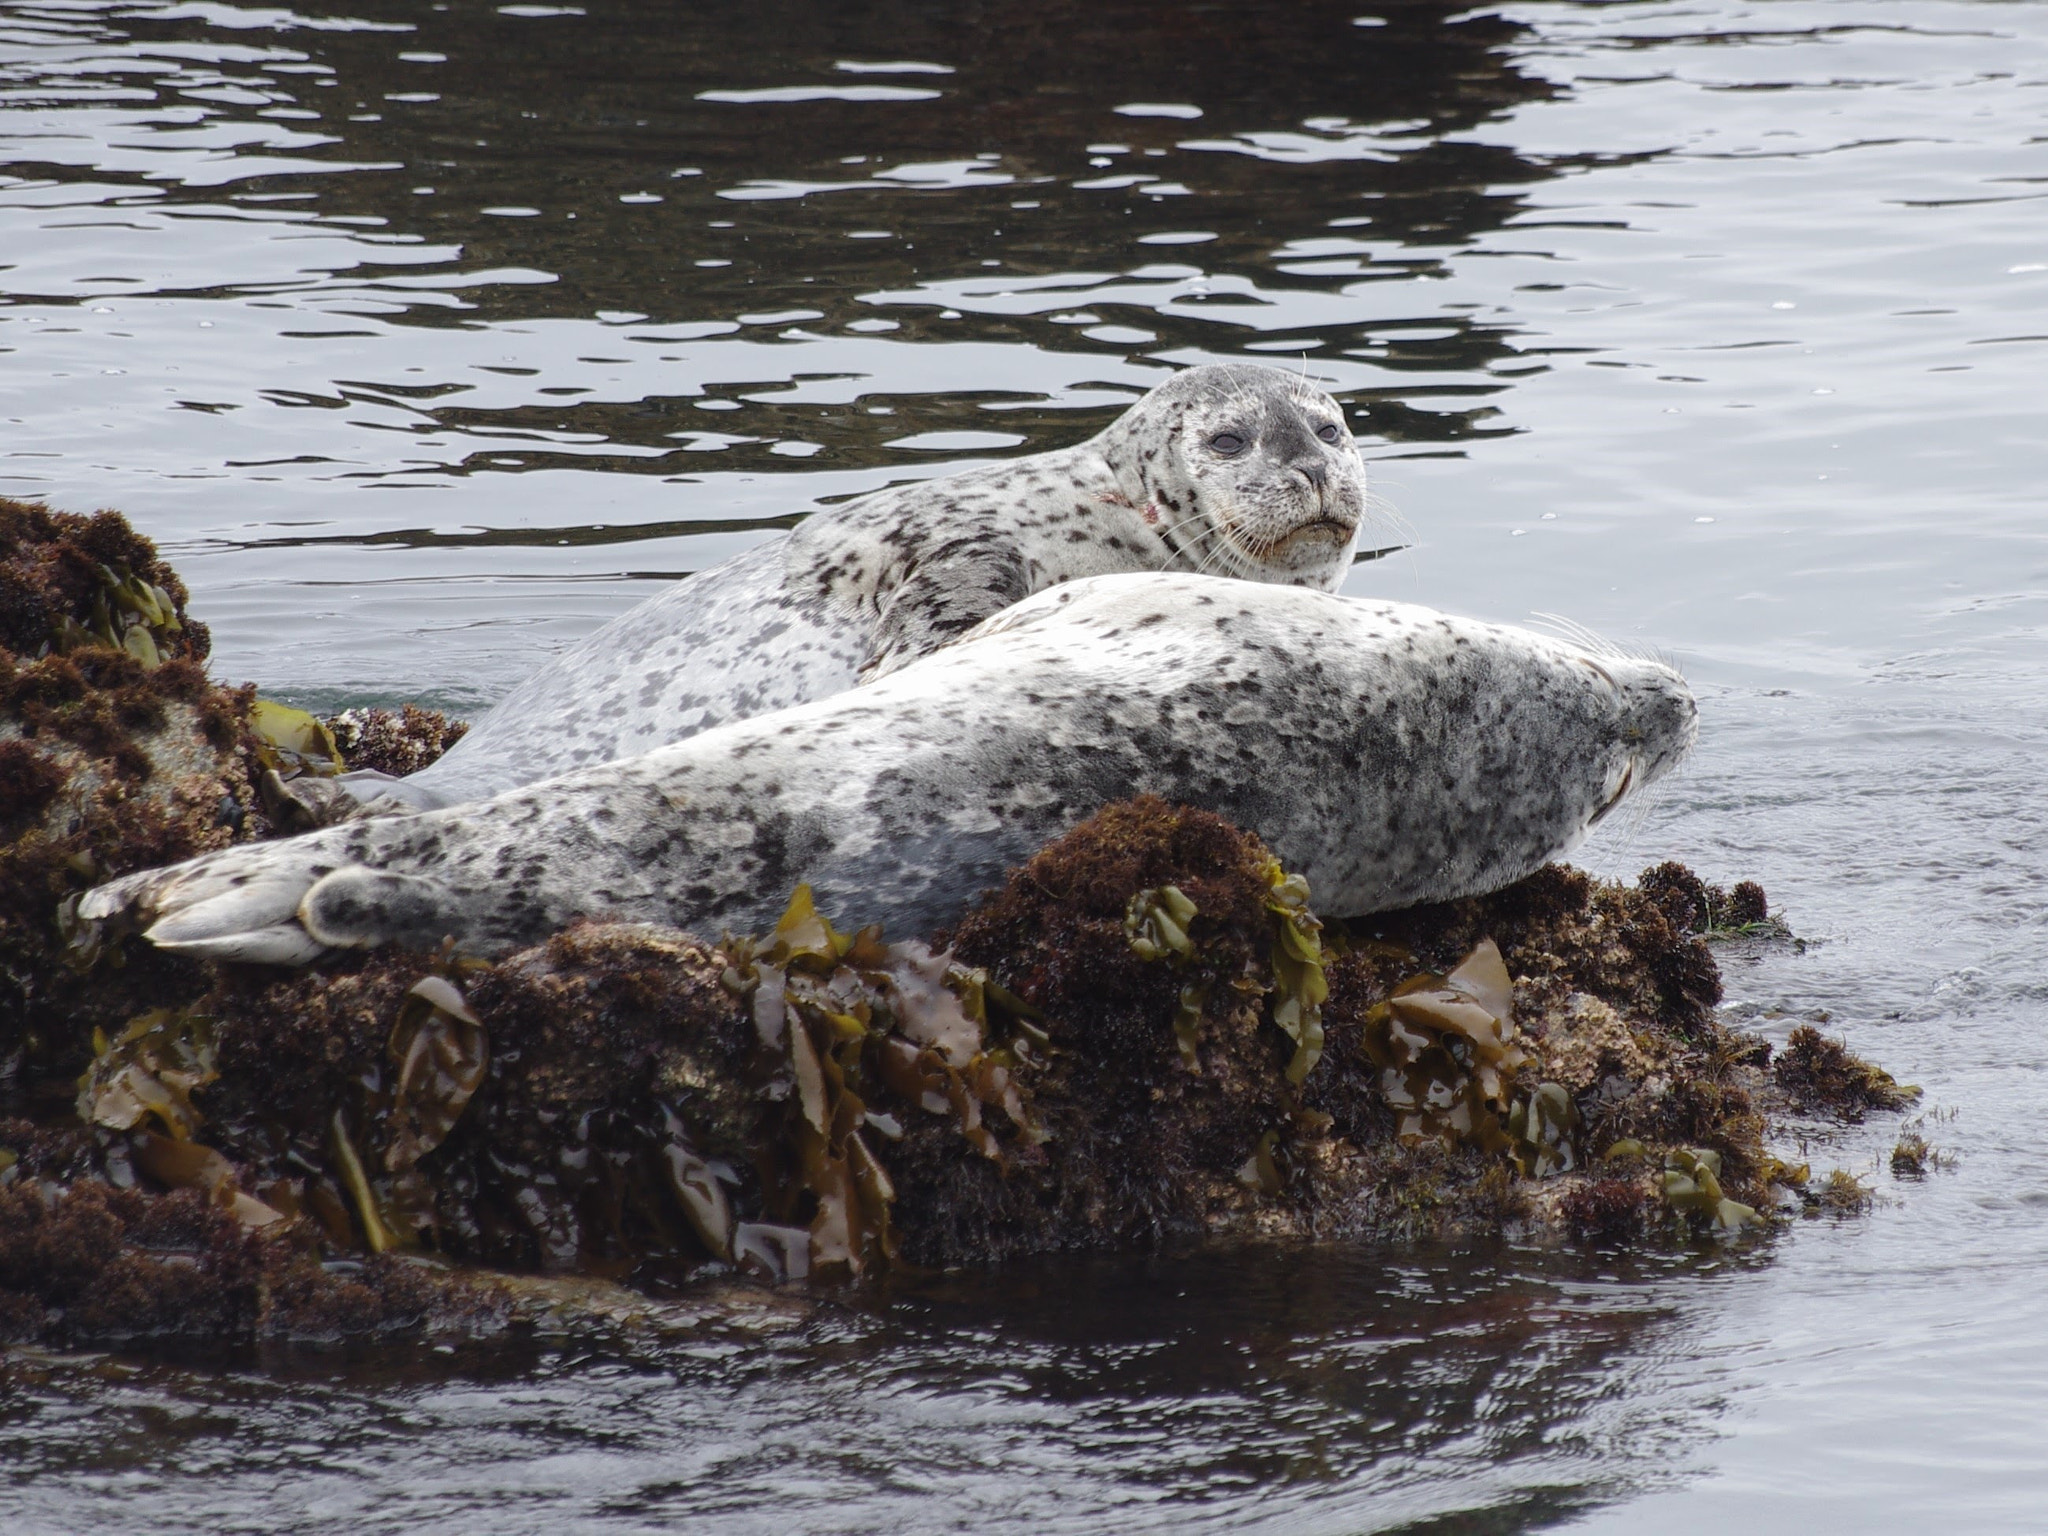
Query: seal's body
point(1228, 469)
point(1388, 753)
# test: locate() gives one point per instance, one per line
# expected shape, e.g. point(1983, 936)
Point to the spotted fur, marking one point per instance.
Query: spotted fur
point(1389, 753)
point(858, 590)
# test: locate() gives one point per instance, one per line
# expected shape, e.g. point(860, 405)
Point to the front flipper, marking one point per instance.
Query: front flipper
point(947, 594)
point(358, 908)
point(283, 903)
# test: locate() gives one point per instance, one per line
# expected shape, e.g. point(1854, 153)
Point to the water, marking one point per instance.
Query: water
point(425, 339)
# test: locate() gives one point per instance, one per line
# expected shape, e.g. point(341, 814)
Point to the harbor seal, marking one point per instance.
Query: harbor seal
point(1389, 753)
point(1229, 468)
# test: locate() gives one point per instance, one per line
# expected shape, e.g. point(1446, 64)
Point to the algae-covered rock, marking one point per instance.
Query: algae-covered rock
point(1145, 1035)
point(1823, 1077)
point(116, 753)
point(396, 742)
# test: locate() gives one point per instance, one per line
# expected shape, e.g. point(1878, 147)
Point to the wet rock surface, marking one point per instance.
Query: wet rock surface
point(1145, 1036)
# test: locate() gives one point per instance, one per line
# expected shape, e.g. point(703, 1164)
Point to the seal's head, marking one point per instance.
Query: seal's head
point(1655, 724)
point(1244, 471)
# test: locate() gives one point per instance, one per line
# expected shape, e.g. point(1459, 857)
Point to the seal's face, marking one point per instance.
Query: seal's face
point(1656, 725)
point(1259, 477)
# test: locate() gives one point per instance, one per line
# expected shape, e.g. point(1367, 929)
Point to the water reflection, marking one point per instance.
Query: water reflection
point(1317, 1389)
point(664, 230)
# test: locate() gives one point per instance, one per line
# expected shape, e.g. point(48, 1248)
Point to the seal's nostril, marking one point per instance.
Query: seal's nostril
point(1314, 472)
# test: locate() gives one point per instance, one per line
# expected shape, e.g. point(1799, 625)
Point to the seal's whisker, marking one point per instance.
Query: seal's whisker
point(1381, 512)
point(1585, 638)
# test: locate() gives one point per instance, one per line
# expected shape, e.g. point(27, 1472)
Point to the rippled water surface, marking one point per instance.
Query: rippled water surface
point(427, 337)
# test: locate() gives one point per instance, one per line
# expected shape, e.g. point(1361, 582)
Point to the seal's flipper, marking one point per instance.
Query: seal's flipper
point(281, 944)
point(359, 908)
point(941, 601)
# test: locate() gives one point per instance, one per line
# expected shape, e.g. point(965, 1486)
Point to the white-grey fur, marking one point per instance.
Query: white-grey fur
point(1389, 753)
point(858, 590)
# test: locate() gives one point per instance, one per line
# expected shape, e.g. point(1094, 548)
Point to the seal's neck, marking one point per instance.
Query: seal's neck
point(1129, 465)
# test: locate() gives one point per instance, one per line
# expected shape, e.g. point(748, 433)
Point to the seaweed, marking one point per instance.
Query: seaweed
point(116, 753)
point(1446, 1050)
point(87, 1263)
point(1694, 906)
point(1822, 1076)
point(1691, 1184)
point(1843, 1194)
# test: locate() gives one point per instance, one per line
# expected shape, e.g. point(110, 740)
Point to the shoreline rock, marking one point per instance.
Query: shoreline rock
point(1145, 1037)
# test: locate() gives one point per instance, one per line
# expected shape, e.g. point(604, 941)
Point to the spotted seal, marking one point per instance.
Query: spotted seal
point(1389, 753)
point(1226, 468)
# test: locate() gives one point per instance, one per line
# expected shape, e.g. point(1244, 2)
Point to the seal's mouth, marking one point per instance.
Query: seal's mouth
point(1317, 530)
point(1628, 777)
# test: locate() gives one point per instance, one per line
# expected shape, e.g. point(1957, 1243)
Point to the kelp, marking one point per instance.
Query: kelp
point(439, 1052)
point(151, 1069)
point(127, 613)
point(1159, 922)
point(1542, 1131)
point(292, 741)
point(826, 1105)
point(850, 1022)
point(1691, 1183)
point(1299, 986)
point(1147, 1034)
point(1447, 1052)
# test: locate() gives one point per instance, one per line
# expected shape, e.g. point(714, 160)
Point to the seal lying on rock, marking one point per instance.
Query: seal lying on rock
point(1389, 753)
point(1229, 469)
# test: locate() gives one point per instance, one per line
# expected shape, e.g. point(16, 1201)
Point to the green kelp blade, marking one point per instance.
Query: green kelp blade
point(1474, 1003)
point(1692, 1182)
point(909, 1075)
point(929, 1011)
point(442, 1052)
point(804, 934)
point(1260, 1171)
point(139, 643)
point(1156, 922)
point(1447, 1053)
point(159, 1060)
point(1483, 977)
point(379, 1235)
point(1187, 1023)
point(697, 1188)
point(1542, 1128)
point(777, 1252)
point(295, 738)
point(188, 1165)
point(1299, 986)
point(810, 1074)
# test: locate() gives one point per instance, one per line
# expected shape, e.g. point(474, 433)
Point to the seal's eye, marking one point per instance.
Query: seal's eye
point(1227, 443)
point(1329, 432)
